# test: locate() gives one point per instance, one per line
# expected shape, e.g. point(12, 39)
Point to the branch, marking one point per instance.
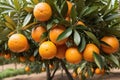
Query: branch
point(67, 72)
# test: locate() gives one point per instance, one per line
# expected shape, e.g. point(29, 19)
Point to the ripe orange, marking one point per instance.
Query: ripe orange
point(43, 69)
point(113, 43)
point(17, 43)
point(22, 58)
point(37, 33)
point(32, 58)
point(88, 52)
point(73, 56)
point(74, 75)
point(47, 50)
point(7, 56)
point(27, 68)
point(42, 11)
point(99, 71)
point(51, 66)
point(69, 4)
point(61, 49)
point(55, 32)
point(80, 23)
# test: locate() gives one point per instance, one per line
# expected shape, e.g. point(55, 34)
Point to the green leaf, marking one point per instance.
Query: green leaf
point(90, 10)
point(17, 4)
point(65, 34)
point(9, 20)
point(77, 38)
point(35, 52)
point(98, 60)
point(111, 17)
point(112, 58)
point(82, 44)
point(93, 37)
point(73, 14)
point(43, 36)
point(80, 4)
point(82, 64)
point(9, 26)
point(64, 8)
point(27, 19)
point(35, 1)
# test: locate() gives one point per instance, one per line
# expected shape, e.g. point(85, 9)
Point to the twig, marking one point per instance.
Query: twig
point(67, 72)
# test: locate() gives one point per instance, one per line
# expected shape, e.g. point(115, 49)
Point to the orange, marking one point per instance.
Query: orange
point(74, 75)
point(32, 58)
point(73, 56)
point(99, 71)
point(67, 18)
point(42, 11)
point(69, 4)
point(27, 68)
point(61, 49)
point(55, 32)
point(47, 50)
point(43, 69)
point(7, 56)
point(22, 58)
point(80, 23)
point(37, 33)
point(51, 66)
point(17, 43)
point(113, 44)
point(88, 52)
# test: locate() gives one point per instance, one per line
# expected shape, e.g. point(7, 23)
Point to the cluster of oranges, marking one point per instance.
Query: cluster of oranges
point(96, 71)
point(50, 47)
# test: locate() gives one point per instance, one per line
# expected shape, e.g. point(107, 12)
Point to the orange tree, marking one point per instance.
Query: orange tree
point(50, 34)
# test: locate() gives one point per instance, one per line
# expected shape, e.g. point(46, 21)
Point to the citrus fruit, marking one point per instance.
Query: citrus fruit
point(42, 11)
point(22, 58)
point(7, 56)
point(113, 44)
point(47, 50)
point(73, 56)
point(55, 32)
point(17, 43)
point(99, 71)
point(88, 52)
point(37, 33)
point(80, 23)
point(61, 49)
point(69, 4)
point(32, 58)
point(27, 68)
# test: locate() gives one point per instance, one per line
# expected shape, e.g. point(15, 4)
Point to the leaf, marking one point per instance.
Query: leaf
point(111, 17)
point(54, 8)
point(82, 64)
point(29, 25)
point(35, 1)
point(98, 60)
point(77, 38)
point(114, 59)
point(9, 20)
point(64, 8)
point(43, 36)
point(27, 19)
point(90, 10)
point(93, 37)
point(65, 34)
point(17, 4)
point(36, 52)
point(82, 44)
point(80, 4)
point(9, 25)
point(73, 14)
